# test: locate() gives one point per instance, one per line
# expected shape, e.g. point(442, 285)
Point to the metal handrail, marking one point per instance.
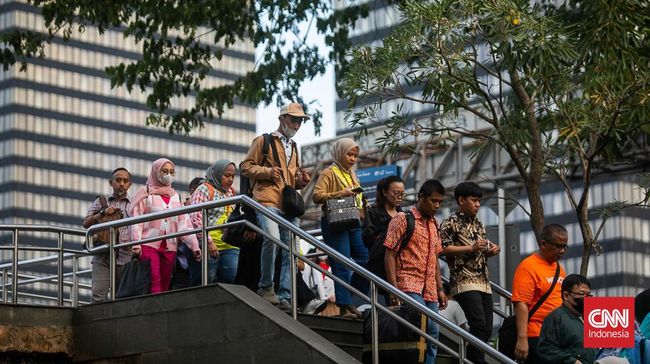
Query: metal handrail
point(62, 255)
point(500, 291)
point(113, 246)
point(45, 259)
point(375, 281)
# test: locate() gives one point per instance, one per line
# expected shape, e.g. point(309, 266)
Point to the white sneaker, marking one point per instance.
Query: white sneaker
point(314, 306)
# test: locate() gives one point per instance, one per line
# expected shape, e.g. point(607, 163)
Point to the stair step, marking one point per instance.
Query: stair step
point(345, 333)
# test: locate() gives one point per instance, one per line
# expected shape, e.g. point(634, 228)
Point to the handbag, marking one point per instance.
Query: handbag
point(136, 278)
point(293, 204)
point(234, 235)
point(343, 214)
point(103, 236)
point(397, 343)
point(508, 329)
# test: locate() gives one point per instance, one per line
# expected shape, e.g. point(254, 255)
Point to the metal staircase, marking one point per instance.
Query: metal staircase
point(69, 283)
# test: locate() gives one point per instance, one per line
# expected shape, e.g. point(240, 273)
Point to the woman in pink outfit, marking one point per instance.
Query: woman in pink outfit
point(158, 195)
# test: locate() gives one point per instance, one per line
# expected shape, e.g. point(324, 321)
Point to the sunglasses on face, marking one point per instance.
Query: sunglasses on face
point(296, 119)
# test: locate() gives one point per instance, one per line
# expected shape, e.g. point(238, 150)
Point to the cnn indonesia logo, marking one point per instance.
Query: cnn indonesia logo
point(609, 322)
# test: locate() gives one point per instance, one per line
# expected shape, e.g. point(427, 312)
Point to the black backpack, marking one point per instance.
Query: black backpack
point(377, 250)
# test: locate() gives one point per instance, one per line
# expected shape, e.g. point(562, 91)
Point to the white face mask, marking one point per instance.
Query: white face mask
point(166, 179)
point(287, 131)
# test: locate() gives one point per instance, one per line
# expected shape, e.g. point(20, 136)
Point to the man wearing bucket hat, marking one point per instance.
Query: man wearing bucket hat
point(268, 176)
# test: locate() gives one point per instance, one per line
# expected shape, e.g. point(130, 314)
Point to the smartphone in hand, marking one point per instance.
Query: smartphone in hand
point(357, 189)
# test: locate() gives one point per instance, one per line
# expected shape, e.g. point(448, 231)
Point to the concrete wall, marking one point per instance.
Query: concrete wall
point(44, 332)
point(216, 324)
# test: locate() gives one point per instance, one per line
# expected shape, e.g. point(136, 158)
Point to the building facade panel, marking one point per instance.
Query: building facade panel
point(63, 129)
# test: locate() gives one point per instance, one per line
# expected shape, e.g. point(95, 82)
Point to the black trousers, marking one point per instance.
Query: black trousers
point(478, 310)
point(532, 351)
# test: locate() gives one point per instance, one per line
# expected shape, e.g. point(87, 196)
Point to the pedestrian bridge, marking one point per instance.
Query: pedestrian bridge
point(211, 323)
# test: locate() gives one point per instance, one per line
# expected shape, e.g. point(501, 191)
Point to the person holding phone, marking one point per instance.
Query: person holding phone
point(467, 250)
point(337, 181)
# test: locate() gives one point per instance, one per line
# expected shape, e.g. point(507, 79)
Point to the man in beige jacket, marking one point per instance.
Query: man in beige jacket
point(268, 178)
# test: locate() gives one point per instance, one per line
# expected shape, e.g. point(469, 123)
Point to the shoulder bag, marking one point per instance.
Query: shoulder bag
point(292, 203)
point(236, 235)
point(104, 236)
point(508, 330)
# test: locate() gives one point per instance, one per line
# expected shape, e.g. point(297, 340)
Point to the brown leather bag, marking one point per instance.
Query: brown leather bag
point(104, 236)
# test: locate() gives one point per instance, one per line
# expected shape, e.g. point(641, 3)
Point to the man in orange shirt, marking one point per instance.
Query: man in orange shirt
point(533, 278)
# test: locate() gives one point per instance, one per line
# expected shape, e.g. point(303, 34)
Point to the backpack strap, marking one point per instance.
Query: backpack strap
point(210, 190)
point(266, 141)
point(265, 146)
point(102, 201)
point(274, 149)
point(410, 228)
point(294, 148)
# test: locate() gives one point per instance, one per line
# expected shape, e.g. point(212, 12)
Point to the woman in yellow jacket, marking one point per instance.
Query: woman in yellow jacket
point(337, 181)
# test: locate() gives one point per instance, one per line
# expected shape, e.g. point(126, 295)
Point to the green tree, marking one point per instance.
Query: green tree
point(182, 41)
point(560, 88)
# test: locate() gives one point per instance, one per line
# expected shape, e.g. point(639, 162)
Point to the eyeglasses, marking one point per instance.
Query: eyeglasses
point(558, 246)
point(398, 194)
point(584, 294)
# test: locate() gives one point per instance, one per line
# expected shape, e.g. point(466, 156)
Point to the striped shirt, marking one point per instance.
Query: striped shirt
point(124, 204)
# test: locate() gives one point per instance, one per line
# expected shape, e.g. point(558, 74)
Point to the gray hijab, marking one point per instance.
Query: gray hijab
point(214, 173)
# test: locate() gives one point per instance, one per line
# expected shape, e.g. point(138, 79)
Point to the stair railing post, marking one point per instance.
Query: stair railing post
point(60, 270)
point(111, 264)
point(204, 247)
point(292, 269)
point(75, 281)
point(461, 350)
point(14, 267)
point(5, 278)
point(374, 326)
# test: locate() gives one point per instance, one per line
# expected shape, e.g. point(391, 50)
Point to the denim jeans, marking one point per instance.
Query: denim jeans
point(226, 267)
point(350, 244)
point(432, 328)
point(194, 267)
point(270, 251)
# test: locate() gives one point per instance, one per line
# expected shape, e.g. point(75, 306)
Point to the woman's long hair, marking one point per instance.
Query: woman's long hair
point(382, 186)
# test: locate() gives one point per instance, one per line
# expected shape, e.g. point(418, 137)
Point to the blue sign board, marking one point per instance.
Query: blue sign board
point(369, 177)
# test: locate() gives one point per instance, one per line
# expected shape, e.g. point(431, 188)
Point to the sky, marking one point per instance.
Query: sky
point(320, 88)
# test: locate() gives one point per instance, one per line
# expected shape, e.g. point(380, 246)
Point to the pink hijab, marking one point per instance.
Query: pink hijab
point(153, 185)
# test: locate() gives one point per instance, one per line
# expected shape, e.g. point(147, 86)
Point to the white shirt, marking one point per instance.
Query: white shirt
point(314, 279)
point(287, 144)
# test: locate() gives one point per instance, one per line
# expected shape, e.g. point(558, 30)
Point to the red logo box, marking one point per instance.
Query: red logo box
point(609, 322)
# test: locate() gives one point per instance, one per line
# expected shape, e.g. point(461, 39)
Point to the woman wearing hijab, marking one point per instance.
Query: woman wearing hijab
point(223, 259)
point(155, 196)
point(337, 181)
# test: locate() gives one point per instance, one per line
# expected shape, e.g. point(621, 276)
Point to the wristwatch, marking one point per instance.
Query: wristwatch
point(102, 212)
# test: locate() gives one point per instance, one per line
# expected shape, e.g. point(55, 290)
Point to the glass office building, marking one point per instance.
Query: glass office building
point(623, 269)
point(64, 129)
